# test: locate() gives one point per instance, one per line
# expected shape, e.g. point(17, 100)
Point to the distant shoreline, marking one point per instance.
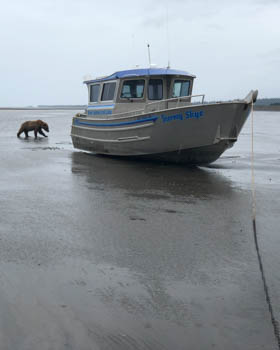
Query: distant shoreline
point(54, 108)
point(266, 108)
point(78, 108)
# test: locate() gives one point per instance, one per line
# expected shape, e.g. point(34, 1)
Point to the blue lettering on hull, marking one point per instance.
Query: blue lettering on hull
point(197, 115)
point(182, 116)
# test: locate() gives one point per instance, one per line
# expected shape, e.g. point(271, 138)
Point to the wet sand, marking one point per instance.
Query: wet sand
point(102, 253)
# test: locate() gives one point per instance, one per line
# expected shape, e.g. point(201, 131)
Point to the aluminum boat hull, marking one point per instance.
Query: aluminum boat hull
point(194, 134)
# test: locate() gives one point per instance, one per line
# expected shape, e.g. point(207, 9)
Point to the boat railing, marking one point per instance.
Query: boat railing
point(174, 102)
point(156, 106)
point(130, 113)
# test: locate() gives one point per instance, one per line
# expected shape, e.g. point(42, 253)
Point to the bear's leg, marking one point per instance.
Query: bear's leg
point(35, 133)
point(21, 130)
point(26, 133)
point(41, 132)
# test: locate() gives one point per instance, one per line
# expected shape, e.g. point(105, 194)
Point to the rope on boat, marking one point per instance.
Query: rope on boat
point(274, 322)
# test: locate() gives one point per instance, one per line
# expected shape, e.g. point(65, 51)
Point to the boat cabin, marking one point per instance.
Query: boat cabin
point(132, 90)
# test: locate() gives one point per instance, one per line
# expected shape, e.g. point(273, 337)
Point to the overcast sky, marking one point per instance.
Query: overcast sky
point(49, 46)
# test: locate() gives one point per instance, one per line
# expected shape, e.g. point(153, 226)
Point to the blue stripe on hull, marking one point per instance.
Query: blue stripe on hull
point(151, 119)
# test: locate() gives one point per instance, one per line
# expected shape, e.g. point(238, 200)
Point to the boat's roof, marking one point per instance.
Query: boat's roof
point(140, 73)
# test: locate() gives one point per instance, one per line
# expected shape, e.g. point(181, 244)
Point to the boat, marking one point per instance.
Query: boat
point(151, 113)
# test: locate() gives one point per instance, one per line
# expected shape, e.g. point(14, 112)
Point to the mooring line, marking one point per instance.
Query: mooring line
point(274, 322)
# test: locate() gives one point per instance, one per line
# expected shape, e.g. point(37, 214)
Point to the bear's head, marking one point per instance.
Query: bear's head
point(45, 126)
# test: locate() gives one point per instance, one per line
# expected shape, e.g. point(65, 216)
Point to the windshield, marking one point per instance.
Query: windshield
point(94, 92)
point(133, 89)
point(181, 88)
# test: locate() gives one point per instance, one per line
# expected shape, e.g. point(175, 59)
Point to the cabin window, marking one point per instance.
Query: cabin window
point(133, 89)
point(181, 88)
point(94, 92)
point(155, 89)
point(108, 92)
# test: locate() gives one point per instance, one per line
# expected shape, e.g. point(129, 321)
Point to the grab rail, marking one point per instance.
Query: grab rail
point(185, 99)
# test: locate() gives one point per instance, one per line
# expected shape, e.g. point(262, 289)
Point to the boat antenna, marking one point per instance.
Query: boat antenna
point(149, 55)
point(167, 35)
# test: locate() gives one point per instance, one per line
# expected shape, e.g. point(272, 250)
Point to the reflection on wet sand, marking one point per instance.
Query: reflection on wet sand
point(149, 180)
point(178, 239)
point(157, 239)
point(152, 218)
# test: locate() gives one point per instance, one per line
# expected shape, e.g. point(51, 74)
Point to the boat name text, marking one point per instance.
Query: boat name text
point(100, 112)
point(182, 116)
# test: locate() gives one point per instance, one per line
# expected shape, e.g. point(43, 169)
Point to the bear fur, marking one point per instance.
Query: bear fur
point(36, 125)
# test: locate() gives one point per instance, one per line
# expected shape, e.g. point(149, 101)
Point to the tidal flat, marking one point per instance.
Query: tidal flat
point(104, 253)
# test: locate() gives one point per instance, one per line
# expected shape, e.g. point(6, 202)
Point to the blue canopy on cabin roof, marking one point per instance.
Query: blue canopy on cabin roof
point(141, 72)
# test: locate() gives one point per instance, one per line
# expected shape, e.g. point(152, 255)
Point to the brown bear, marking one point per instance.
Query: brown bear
point(36, 125)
